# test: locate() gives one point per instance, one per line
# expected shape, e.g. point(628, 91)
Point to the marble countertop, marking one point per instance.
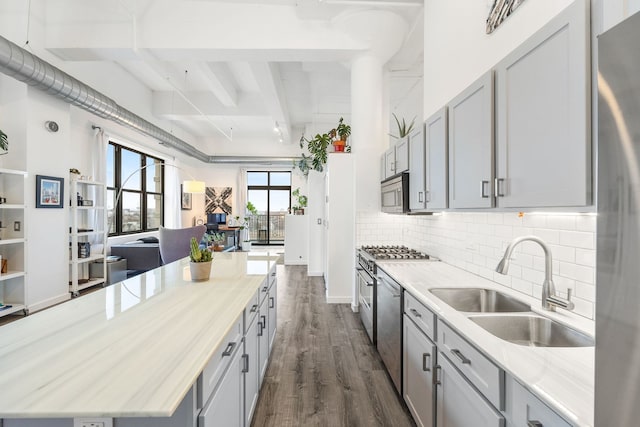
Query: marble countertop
point(561, 377)
point(131, 349)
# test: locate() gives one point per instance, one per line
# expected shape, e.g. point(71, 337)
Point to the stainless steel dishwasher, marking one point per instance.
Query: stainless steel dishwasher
point(389, 325)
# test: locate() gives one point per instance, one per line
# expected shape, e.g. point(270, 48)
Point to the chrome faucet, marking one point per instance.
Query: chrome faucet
point(549, 298)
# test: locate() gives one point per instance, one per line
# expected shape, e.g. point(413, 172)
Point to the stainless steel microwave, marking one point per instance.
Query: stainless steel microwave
point(394, 196)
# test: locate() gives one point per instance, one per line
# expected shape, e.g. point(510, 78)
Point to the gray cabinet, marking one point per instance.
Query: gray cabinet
point(252, 364)
point(402, 155)
point(272, 303)
point(225, 406)
point(543, 148)
point(526, 410)
point(436, 145)
point(395, 159)
point(471, 146)
point(417, 171)
point(419, 354)
point(458, 403)
point(428, 164)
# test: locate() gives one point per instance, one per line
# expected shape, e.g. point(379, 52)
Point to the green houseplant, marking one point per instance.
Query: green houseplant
point(403, 128)
point(298, 209)
point(4, 143)
point(252, 212)
point(318, 145)
point(200, 265)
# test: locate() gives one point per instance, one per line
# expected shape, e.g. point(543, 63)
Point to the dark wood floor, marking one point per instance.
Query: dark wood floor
point(323, 369)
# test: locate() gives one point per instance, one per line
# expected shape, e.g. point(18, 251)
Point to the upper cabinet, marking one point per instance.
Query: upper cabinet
point(471, 146)
point(543, 147)
point(395, 159)
point(428, 164)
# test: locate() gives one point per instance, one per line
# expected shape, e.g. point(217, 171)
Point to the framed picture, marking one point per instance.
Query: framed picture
point(186, 200)
point(49, 192)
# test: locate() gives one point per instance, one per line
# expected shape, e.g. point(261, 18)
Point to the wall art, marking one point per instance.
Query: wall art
point(49, 191)
point(218, 200)
point(500, 10)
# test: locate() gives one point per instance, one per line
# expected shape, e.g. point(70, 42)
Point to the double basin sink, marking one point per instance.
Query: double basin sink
point(511, 319)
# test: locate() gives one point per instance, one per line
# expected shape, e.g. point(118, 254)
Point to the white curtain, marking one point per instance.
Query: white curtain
point(242, 193)
point(98, 173)
point(172, 196)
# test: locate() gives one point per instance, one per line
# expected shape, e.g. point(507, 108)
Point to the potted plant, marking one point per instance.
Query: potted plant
point(403, 128)
point(339, 135)
point(318, 145)
point(218, 241)
point(251, 213)
point(298, 209)
point(200, 265)
point(4, 143)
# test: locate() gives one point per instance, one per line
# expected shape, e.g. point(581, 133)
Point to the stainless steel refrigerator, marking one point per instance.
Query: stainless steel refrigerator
point(617, 381)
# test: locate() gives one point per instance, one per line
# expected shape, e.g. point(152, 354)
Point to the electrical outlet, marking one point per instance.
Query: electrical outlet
point(93, 422)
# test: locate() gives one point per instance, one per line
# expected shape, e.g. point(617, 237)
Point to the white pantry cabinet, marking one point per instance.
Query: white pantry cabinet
point(471, 146)
point(543, 148)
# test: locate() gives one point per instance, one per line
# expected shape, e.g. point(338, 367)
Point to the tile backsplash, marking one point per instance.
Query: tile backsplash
point(476, 242)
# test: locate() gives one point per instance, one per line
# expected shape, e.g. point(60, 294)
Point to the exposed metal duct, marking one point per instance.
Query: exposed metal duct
point(28, 68)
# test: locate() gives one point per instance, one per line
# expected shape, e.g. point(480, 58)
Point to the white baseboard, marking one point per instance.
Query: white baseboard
point(338, 300)
point(295, 262)
point(355, 308)
point(314, 273)
point(41, 305)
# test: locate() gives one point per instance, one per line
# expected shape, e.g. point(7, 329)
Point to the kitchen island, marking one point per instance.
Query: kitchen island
point(133, 349)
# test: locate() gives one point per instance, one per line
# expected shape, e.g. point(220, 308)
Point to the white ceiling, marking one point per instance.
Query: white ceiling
point(214, 65)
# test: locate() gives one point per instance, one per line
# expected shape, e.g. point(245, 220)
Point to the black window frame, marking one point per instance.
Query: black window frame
point(268, 187)
point(143, 192)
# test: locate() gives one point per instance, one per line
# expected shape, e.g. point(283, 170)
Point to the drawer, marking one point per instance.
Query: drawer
point(264, 289)
point(525, 409)
point(475, 366)
point(219, 361)
point(251, 310)
point(424, 318)
point(272, 276)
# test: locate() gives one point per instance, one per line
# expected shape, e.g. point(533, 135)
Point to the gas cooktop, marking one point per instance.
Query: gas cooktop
point(393, 252)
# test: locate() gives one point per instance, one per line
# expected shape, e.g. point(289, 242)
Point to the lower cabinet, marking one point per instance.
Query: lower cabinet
point(458, 403)
point(419, 355)
point(252, 367)
point(526, 410)
point(273, 312)
point(225, 406)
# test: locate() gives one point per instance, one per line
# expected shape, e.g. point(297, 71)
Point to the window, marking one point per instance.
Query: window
point(141, 204)
point(270, 193)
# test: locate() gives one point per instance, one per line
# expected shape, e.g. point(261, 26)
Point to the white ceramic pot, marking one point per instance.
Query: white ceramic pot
point(200, 271)
point(246, 245)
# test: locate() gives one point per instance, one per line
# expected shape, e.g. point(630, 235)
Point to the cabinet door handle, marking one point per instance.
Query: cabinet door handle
point(428, 194)
point(261, 329)
point(497, 182)
point(245, 358)
point(272, 303)
point(265, 289)
point(227, 351)
point(460, 356)
point(254, 308)
point(436, 377)
point(534, 424)
point(264, 321)
point(426, 361)
point(415, 312)
point(483, 185)
point(420, 193)
point(273, 274)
